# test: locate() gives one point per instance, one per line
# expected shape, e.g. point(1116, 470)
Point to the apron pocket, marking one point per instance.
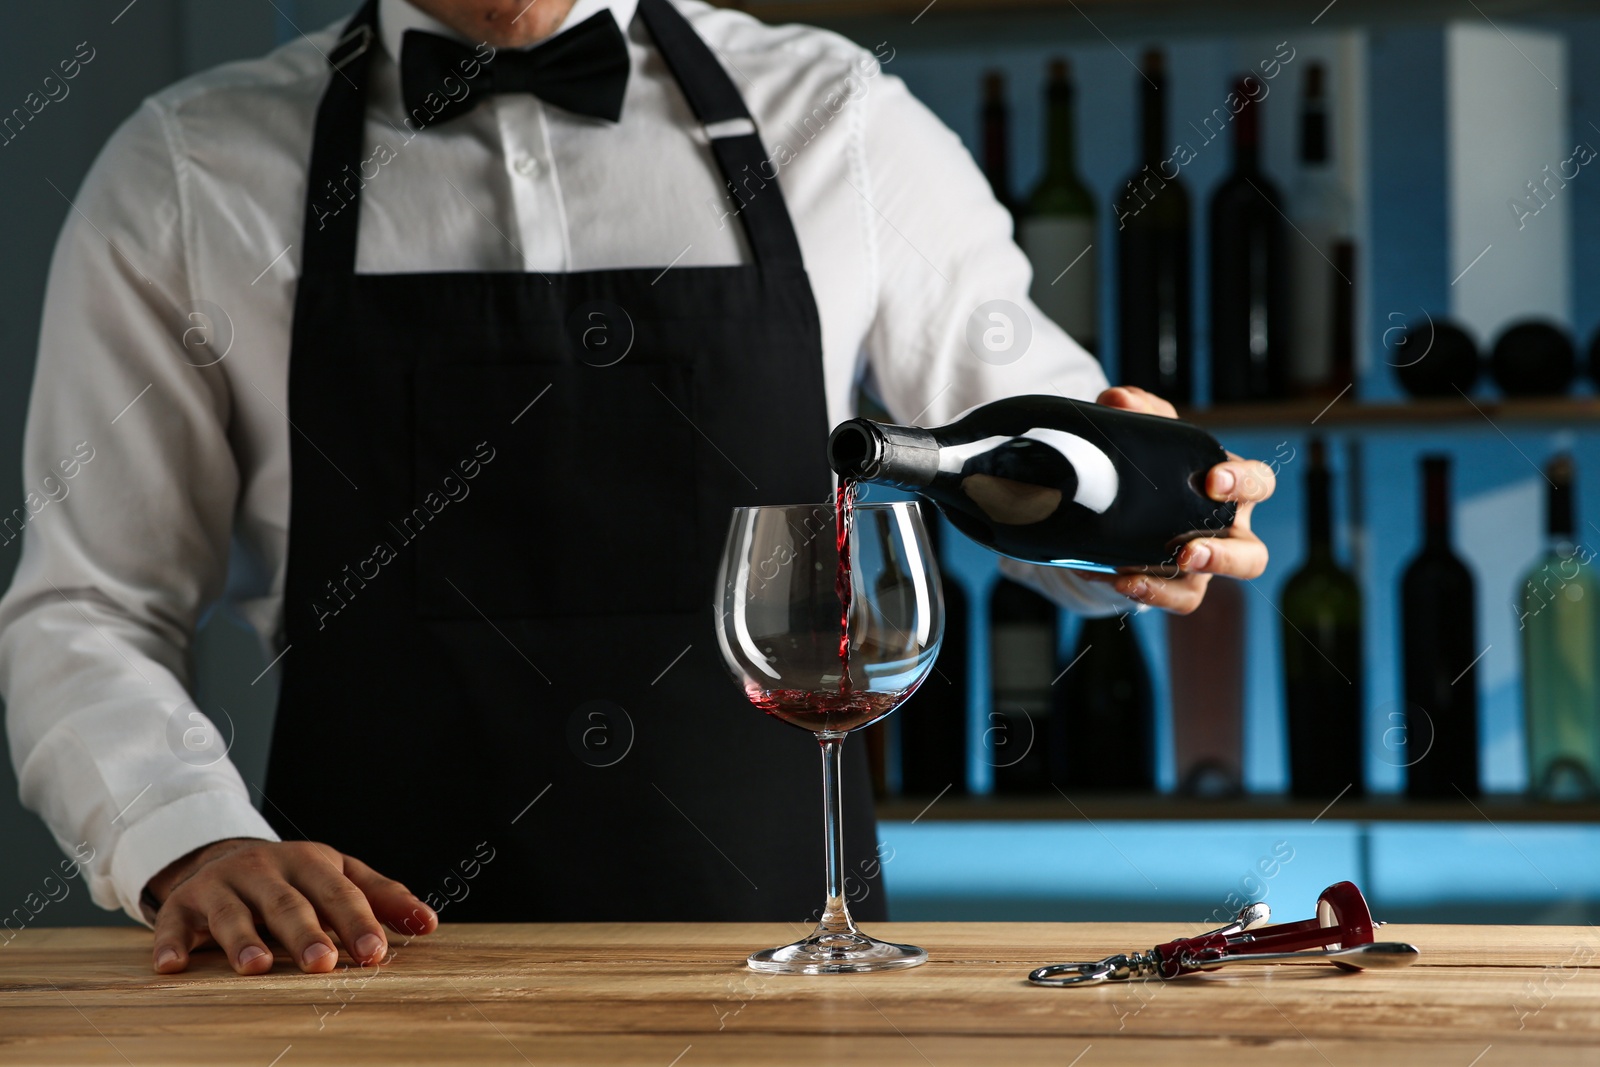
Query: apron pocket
point(549, 491)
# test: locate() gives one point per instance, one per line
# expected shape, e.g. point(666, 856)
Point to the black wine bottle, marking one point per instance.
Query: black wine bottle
point(1024, 631)
point(1155, 326)
point(1322, 656)
point(1103, 719)
point(1249, 294)
point(1440, 653)
point(934, 728)
point(1050, 480)
point(996, 122)
point(1322, 255)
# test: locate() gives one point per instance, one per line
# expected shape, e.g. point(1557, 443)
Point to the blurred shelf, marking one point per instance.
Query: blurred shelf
point(964, 23)
point(1441, 411)
point(1147, 808)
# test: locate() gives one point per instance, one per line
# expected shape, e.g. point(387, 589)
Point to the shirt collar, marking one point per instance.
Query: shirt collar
point(395, 17)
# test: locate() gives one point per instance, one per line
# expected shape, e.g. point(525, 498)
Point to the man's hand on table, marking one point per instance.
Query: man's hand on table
point(298, 890)
point(1235, 552)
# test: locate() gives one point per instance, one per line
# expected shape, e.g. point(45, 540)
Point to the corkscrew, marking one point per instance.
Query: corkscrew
point(1341, 934)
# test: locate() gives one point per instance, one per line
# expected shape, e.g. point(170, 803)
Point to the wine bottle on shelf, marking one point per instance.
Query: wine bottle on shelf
point(1024, 632)
point(1103, 718)
point(1155, 341)
point(1560, 623)
point(1440, 653)
point(1249, 294)
point(934, 727)
point(1050, 480)
point(996, 121)
point(1322, 263)
point(1205, 660)
point(1322, 656)
point(1058, 229)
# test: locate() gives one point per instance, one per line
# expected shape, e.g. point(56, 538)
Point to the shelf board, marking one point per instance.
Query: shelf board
point(968, 23)
point(1090, 808)
point(1434, 412)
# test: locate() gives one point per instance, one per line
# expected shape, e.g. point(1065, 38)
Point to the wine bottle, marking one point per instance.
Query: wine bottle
point(1155, 326)
point(1321, 283)
point(1103, 719)
point(1051, 480)
point(1205, 660)
point(996, 122)
point(1024, 631)
point(1560, 623)
point(1249, 334)
point(934, 726)
point(1440, 653)
point(1322, 656)
point(1058, 228)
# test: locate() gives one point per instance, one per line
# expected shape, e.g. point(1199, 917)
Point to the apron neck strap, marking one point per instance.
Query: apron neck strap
point(334, 182)
point(751, 175)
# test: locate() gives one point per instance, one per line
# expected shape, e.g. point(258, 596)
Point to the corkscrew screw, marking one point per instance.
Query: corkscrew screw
point(1341, 933)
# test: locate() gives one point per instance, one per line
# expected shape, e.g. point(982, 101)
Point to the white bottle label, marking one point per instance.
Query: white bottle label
point(1065, 278)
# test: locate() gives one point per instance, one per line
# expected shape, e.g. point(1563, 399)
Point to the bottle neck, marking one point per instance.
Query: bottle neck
point(995, 151)
point(1061, 160)
point(1558, 514)
point(1247, 138)
point(1153, 121)
point(1436, 507)
point(1319, 514)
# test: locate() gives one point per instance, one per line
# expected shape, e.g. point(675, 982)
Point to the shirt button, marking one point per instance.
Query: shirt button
point(527, 166)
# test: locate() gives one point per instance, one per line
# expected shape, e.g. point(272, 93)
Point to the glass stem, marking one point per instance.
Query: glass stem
point(836, 915)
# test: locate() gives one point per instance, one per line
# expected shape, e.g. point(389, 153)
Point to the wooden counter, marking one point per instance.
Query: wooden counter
point(679, 996)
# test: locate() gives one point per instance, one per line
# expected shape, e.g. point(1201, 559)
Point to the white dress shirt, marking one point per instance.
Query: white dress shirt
point(165, 344)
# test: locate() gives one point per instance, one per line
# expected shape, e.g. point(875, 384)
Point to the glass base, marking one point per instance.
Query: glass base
point(836, 952)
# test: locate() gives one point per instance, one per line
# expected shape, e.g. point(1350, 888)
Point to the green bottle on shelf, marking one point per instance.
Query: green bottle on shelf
point(1058, 227)
point(1322, 656)
point(1560, 622)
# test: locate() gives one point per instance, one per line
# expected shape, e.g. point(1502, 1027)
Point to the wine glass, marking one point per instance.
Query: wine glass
point(830, 647)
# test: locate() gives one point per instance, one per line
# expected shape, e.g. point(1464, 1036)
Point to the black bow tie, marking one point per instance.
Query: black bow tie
point(584, 70)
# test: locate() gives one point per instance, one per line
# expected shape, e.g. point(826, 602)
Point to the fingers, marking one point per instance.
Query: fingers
point(339, 902)
point(1240, 479)
point(1241, 555)
point(391, 902)
point(1179, 595)
point(1132, 398)
point(178, 931)
point(233, 926)
point(285, 911)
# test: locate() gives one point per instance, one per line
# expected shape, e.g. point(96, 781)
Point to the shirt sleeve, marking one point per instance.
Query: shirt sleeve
point(954, 326)
point(130, 487)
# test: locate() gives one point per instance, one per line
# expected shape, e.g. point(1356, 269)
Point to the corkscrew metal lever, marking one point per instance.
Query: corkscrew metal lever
point(1341, 934)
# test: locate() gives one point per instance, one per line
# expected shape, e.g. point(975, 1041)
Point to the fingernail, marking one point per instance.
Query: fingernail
point(165, 956)
point(368, 946)
point(250, 955)
point(316, 952)
point(1224, 481)
point(1198, 555)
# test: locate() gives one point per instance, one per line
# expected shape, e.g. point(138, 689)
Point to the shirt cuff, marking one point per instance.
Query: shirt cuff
point(174, 830)
point(1070, 589)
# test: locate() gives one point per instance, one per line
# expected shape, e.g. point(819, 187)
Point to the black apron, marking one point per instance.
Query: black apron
point(510, 493)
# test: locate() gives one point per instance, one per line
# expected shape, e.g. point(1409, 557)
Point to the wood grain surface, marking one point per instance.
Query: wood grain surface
point(679, 996)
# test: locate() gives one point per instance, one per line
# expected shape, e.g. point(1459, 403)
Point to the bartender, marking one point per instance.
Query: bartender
point(440, 343)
